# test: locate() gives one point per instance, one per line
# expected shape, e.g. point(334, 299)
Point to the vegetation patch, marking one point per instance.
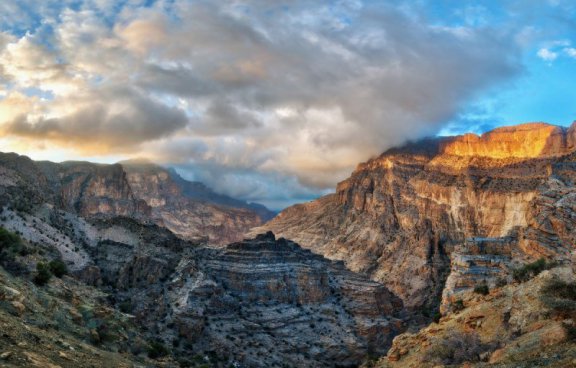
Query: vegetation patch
point(58, 268)
point(560, 297)
point(456, 349)
point(157, 350)
point(482, 289)
point(43, 274)
point(533, 269)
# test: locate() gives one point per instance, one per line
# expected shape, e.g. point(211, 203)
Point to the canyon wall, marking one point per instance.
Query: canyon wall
point(399, 216)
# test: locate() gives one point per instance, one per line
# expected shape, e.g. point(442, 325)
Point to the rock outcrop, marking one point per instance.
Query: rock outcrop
point(400, 215)
point(545, 140)
point(518, 325)
point(142, 191)
point(269, 303)
point(189, 209)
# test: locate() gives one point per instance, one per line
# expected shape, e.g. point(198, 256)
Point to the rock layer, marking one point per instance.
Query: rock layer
point(146, 192)
point(271, 303)
point(400, 215)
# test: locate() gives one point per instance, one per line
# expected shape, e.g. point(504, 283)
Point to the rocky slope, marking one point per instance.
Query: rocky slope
point(529, 324)
point(143, 191)
point(66, 324)
point(189, 209)
point(399, 216)
point(255, 303)
point(269, 303)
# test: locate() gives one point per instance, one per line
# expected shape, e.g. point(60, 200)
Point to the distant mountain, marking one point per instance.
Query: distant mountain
point(139, 190)
point(198, 191)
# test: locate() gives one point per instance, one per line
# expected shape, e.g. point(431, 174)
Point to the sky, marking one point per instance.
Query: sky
point(274, 101)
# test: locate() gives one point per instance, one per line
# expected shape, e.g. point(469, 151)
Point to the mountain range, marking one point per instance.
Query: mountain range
point(445, 251)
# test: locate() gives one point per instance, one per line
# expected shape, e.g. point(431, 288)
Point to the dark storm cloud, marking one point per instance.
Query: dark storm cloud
point(114, 120)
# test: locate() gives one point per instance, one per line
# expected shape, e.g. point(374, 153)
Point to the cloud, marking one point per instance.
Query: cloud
point(547, 55)
point(570, 51)
point(111, 120)
point(266, 90)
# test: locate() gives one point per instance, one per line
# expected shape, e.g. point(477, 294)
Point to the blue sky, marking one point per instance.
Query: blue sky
point(274, 101)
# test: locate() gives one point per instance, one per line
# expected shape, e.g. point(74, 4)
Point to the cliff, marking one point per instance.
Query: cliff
point(269, 303)
point(143, 191)
point(189, 209)
point(399, 217)
point(518, 325)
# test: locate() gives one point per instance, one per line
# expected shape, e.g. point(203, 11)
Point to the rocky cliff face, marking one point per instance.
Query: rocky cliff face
point(518, 325)
point(146, 192)
point(190, 209)
point(399, 216)
point(270, 303)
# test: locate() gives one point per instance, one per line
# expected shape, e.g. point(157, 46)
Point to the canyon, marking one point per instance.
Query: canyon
point(419, 247)
point(400, 217)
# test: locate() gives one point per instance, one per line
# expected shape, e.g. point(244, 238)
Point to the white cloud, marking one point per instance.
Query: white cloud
point(570, 51)
point(547, 55)
point(298, 88)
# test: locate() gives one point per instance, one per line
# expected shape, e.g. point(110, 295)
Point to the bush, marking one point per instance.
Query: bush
point(157, 350)
point(126, 306)
point(533, 269)
point(436, 317)
point(10, 244)
point(501, 282)
point(456, 349)
point(560, 296)
point(482, 289)
point(58, 268)
point(458, 306)
point(43, 274)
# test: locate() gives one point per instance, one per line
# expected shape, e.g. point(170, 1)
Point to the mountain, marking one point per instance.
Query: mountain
point(95, 270)
point(527, 324)
point(190, 209)
point(140, 190)
point(454, 250)
point(402, 217)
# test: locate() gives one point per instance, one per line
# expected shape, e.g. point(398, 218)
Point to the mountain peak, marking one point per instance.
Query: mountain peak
point(530, 140)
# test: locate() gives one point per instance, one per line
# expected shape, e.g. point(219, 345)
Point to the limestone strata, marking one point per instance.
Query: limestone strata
point(270, 303)
point(479, 261)
point(512, 326)
point(400, 215)
point(145, 192)
point(174, 206)
point(506, 142)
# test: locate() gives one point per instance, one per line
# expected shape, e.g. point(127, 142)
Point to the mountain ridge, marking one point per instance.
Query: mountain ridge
point(399, 216)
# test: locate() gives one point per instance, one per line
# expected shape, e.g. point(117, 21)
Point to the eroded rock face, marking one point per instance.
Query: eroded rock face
point(146, 192)
point(268, 302)
point(515, 325)
point(506, 142)
point(399, 216)
point(190, 209)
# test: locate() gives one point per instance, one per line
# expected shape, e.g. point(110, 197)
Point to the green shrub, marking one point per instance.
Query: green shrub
point(58, 268)
point(10, 244)
point(482, 289)
point(533, 269)
point(456, 349)
point(560, 296)
point(458, 306)
point(125, 306)
point(501, 282)
point(157, 350)
point(436, 317)
point(43, 274)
